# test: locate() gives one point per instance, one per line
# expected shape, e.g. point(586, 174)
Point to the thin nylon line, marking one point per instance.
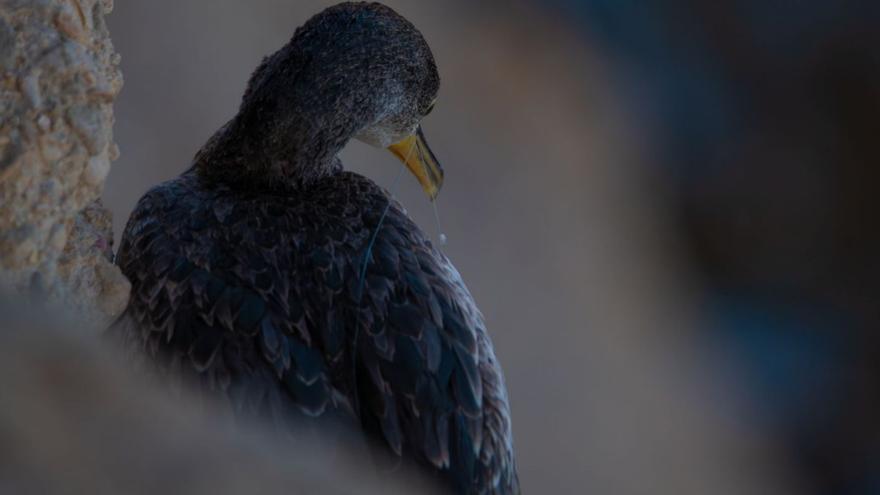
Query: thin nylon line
point(369, 250)
point(363, 275)
point(441, 237)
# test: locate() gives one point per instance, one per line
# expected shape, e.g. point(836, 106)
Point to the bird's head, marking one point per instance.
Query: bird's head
point(355, 70)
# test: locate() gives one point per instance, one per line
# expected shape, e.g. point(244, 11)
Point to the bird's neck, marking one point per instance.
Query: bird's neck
point(269, 154)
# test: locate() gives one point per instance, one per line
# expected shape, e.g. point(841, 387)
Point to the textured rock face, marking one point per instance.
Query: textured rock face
point(58, 78)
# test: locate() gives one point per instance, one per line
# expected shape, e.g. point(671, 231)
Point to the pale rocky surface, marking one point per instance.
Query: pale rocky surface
point(58, 78)
point(93, 286)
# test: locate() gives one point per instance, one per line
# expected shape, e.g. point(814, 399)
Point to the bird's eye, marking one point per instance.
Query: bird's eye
point(431, 107)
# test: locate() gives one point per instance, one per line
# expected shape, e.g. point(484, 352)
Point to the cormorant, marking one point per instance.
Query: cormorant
point(286, 285)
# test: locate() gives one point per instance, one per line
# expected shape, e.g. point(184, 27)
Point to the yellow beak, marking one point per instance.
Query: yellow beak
point(415, 153)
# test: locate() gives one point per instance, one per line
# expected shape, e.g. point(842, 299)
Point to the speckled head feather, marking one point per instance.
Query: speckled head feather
point(353, 70)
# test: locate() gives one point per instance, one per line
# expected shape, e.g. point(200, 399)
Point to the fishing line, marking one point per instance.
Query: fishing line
point(441, 237)
point(363, 274)
point(375, 234)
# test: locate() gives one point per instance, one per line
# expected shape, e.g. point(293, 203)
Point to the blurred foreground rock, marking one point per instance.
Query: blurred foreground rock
point(58, 80)
point(75, 419)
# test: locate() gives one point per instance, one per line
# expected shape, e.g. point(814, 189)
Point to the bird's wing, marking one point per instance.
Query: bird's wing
point(428, 378)
point(244, 307)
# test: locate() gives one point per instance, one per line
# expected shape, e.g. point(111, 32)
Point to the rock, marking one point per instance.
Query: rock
point(95, 288)
point(59, 76)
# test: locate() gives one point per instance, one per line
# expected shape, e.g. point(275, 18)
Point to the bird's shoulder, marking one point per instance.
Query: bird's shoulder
point(237, 287)
point(214, 267)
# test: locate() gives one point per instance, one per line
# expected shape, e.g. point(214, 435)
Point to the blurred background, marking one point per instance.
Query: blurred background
point(665, 211)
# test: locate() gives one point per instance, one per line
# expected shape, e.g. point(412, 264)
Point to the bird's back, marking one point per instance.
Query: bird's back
point(261, 298)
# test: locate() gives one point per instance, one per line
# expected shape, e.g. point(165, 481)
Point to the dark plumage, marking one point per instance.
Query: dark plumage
point(245, 270)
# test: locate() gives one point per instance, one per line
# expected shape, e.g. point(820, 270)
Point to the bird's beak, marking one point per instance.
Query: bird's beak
point(415, 153)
